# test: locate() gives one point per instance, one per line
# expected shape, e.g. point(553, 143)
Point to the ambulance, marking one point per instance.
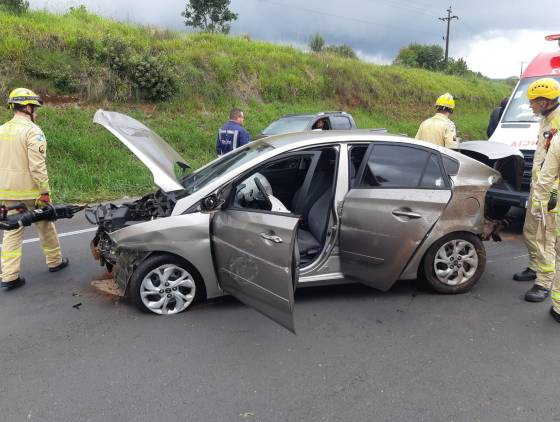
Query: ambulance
point(518, 128)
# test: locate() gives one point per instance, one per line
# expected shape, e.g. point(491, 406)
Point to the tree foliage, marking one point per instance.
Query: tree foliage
point(316, 43)
point(342, 50)
point(209, 15)
point(421, 55)
point(14, 6)
point(456, 67)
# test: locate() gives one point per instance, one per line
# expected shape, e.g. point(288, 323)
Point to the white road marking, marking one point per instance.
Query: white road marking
point(36, 239)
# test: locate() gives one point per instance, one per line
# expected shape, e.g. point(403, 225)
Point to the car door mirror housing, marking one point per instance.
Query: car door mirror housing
point(211, 203)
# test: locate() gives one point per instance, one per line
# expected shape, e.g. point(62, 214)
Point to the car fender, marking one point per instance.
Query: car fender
point(187, 236)
point(506, 159)
point(464, 213)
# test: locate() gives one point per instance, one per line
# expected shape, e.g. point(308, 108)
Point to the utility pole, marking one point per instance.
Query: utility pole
point(448, 19)
point(521, 70)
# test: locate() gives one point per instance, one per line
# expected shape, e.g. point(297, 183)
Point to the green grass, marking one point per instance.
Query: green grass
point(65, 55)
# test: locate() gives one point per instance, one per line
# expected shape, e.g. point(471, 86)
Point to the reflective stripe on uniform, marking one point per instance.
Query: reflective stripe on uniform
point(19, 194)
point(51, 250)
point(555, 295)
point(11, 254)
point(546, 268)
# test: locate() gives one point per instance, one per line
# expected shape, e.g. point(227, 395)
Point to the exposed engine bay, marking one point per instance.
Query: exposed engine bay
point(112, 217)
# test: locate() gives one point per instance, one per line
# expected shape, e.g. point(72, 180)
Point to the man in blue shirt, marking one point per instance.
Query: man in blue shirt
point(232, 135)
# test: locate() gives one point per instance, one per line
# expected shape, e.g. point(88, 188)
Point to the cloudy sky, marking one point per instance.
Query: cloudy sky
point(492, 35)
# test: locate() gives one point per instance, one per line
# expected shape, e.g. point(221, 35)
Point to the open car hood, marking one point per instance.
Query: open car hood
point(147, 145)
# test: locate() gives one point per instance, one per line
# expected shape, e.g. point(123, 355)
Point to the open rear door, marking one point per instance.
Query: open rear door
point(256, 261)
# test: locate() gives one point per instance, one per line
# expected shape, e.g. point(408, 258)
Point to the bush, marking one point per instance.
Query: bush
point(316, 43)
point(342, 50)
point(149, 73)
point(14, 6)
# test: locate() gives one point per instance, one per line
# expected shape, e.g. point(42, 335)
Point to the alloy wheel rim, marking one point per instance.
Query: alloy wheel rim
point(167, 289)
point(456, 262)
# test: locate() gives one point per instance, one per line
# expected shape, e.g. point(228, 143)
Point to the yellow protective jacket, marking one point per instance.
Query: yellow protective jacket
point(546, 170)
point(439, 130)
point(23, 169)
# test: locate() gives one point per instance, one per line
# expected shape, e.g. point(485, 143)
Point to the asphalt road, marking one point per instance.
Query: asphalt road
point(359, 355)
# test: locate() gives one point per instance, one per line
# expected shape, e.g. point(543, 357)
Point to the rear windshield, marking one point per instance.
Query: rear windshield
point(287, 124)
point(518, 109)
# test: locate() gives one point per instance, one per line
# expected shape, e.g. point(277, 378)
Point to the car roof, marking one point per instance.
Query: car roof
point(337, 136)
point(321, 113)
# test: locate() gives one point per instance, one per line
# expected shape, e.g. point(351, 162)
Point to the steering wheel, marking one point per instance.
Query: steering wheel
point(263, 191)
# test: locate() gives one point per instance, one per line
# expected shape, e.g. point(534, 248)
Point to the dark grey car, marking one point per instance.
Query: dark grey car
point(295, 210)
point(329, 120)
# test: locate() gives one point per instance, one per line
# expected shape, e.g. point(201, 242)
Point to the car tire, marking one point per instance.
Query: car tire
point(165, 285)
point(454, 263)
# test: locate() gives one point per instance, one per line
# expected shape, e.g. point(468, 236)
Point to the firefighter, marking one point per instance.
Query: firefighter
point(24, 179)
point(232, 135)
point(541, 217)
point(439, 129)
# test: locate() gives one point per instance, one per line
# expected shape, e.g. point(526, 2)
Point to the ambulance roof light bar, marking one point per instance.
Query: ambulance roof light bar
point(553, 37)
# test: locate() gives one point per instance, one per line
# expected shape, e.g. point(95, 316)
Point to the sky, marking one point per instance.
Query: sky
point(493, 36)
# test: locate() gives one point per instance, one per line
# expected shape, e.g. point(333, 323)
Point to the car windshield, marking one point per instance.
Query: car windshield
point(201, 177)
point(518, 109)
point(287, 124)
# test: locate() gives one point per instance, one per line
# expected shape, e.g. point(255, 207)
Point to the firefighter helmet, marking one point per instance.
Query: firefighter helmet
point(23, 97)
point(445, 100)
point(545, 88)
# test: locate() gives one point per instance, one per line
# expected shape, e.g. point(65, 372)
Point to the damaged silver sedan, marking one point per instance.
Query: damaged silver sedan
point(295, 210)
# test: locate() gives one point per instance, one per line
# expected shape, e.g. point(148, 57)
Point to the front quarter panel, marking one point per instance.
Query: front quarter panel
point(185, 235)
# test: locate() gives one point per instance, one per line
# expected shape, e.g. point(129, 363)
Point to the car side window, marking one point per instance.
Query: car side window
point(272, 186)
point(341, 122)
point(432, 178)
point(399, 166)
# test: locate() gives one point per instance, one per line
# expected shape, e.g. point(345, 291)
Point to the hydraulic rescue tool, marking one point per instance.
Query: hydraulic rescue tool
point(26, 217)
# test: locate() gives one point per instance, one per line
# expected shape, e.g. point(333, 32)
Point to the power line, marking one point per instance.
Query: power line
point(349, 18)
point(449, 18)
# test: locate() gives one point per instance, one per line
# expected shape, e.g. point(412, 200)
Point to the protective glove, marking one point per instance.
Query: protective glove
point(43, 200)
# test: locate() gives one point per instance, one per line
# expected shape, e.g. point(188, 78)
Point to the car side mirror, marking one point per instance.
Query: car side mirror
point(211, 203)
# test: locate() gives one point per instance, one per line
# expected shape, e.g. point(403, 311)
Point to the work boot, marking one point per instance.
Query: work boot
point(526, 275)
point(10, 285)
point(536, 294)
point(555, 314)
point(60, 266)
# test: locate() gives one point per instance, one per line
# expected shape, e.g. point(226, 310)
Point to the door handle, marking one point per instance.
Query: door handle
point(271, 237)
point(408, 214)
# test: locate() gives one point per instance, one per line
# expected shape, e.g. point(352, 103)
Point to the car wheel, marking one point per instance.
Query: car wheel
point(165, 285)
point(455, 263)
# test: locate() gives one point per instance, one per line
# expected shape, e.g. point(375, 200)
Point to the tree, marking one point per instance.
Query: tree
point(14, 6)
point(209, 15)
point(316, 43)
point(342, 50)
point(456, 67)
point(421, 55)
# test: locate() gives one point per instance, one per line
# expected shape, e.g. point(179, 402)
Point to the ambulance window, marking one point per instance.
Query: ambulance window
point(518, 109)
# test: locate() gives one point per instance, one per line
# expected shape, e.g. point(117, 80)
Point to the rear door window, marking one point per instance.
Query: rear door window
point(398, 166)
point(341, 122)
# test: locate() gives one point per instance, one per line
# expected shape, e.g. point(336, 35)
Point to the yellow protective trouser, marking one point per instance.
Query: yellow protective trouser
point(13, 240)
point(541, 244)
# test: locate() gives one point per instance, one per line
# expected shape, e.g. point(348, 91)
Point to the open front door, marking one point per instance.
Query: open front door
point(256, 262)
point(400, 193)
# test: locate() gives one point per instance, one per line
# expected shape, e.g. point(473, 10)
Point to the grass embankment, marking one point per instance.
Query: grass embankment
point(80, 62)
